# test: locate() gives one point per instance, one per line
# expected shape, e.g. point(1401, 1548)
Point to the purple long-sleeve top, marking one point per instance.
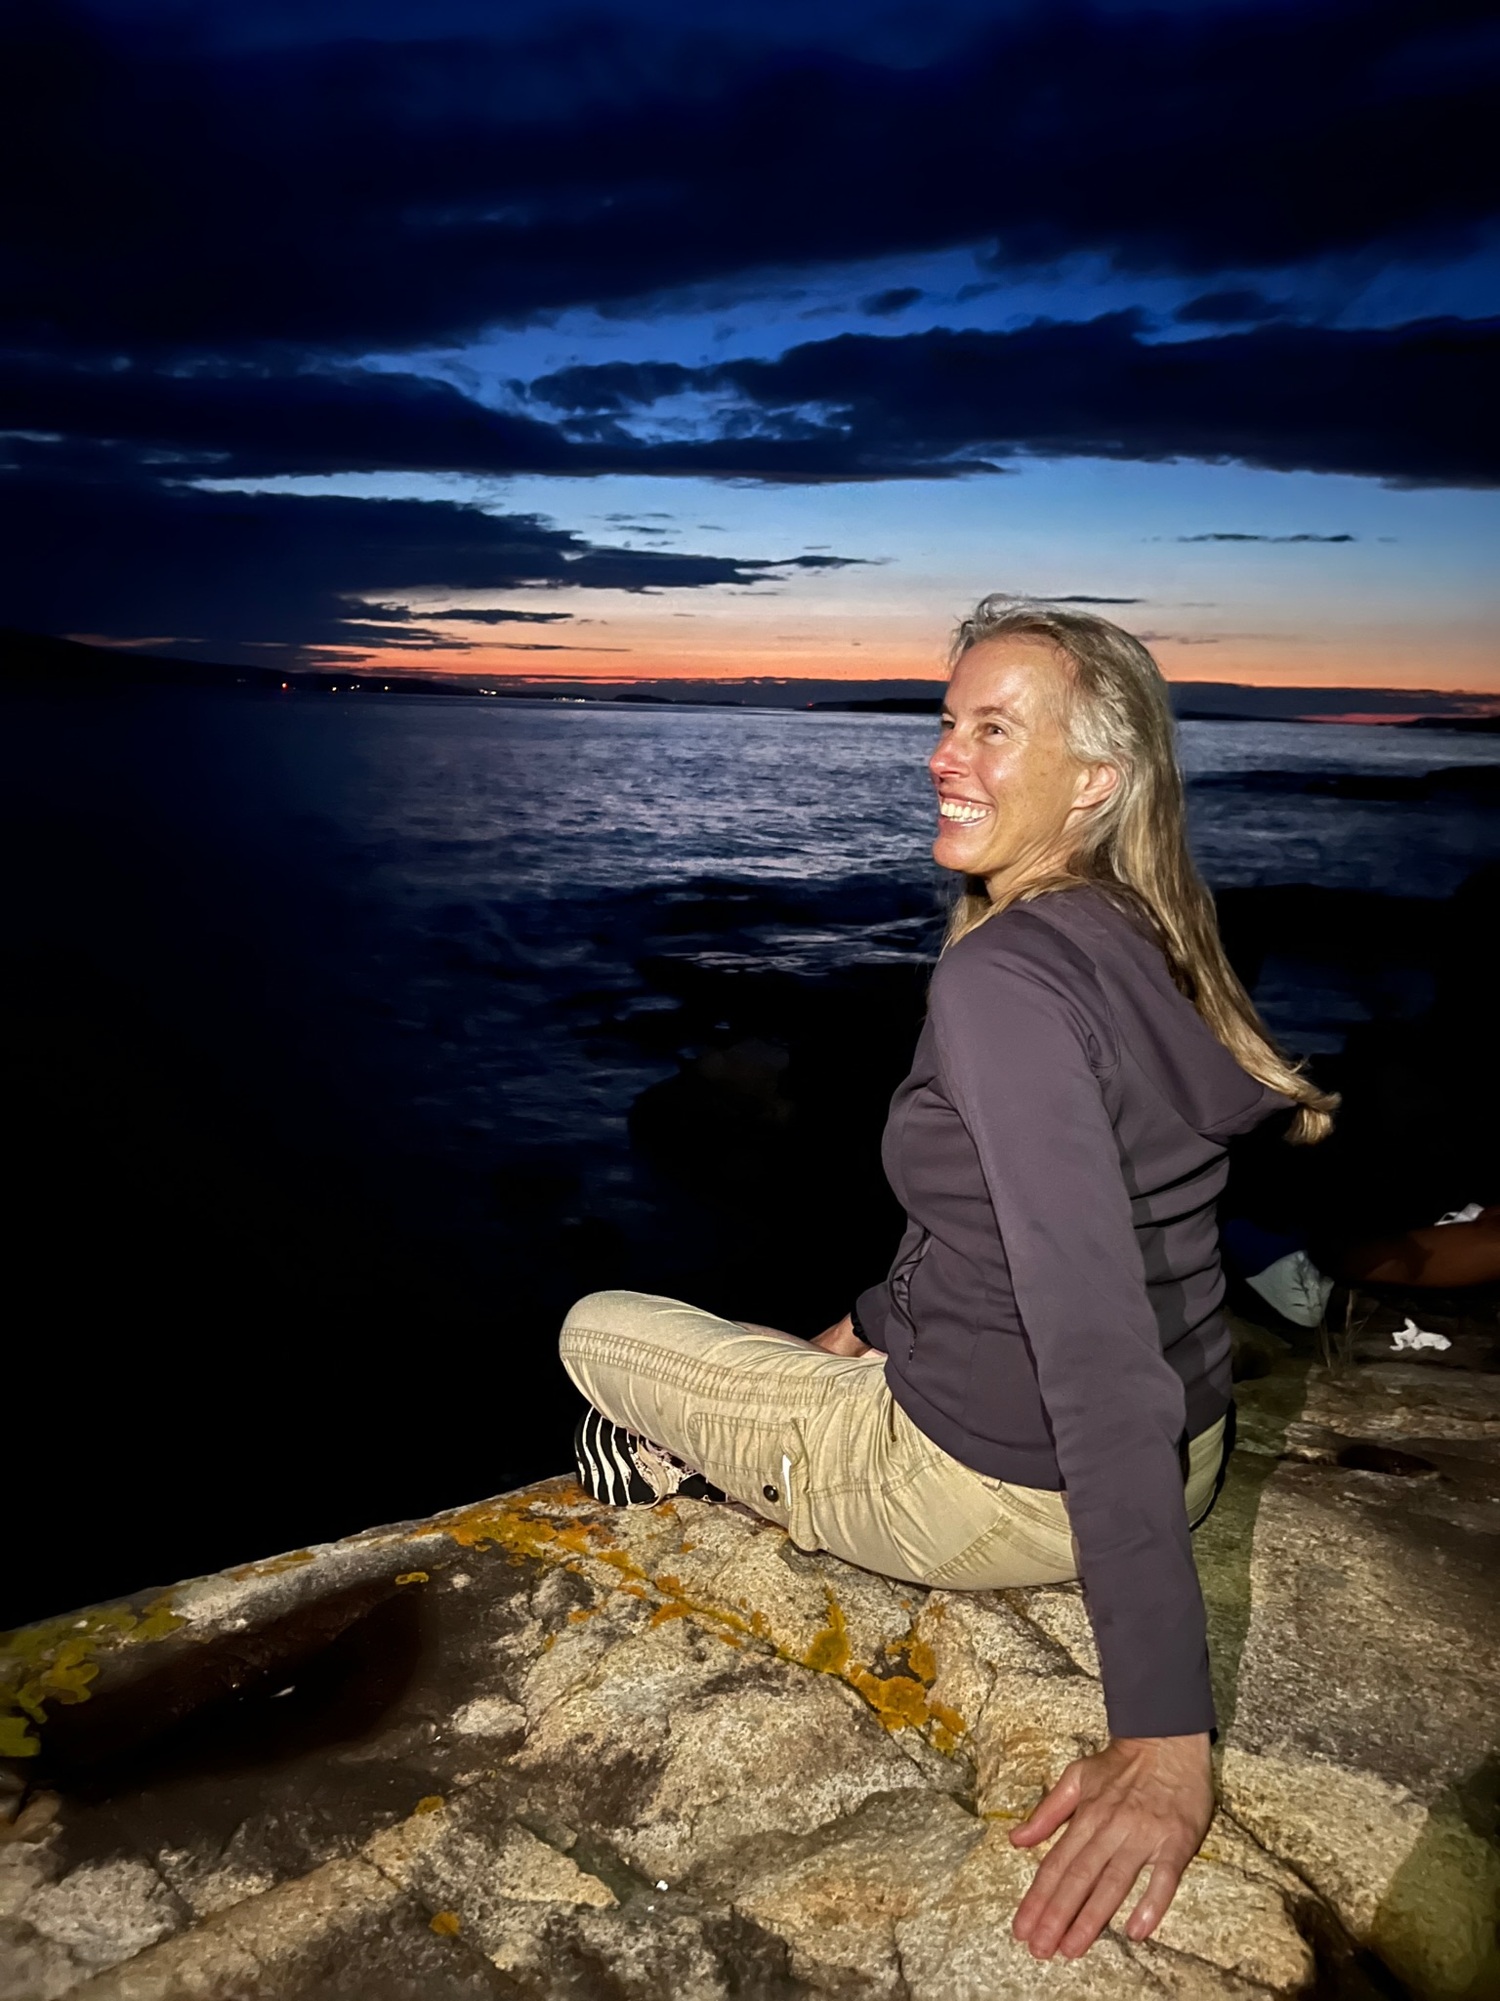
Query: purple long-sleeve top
point(1052, 1318)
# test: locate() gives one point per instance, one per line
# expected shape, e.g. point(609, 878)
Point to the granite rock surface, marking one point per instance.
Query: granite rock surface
point(541, 1750)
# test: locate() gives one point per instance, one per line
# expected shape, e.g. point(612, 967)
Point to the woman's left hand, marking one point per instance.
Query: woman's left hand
point(841, 1339)
point(1142, 1802)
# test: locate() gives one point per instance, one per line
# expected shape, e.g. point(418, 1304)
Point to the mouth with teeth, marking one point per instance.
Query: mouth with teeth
point(963, 811)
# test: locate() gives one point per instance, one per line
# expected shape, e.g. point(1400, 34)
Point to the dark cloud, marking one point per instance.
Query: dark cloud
point(613, 385)
point(347, 194)
point(1240, 307)
point(96, 543)
point(247, 422)
point(472, 615)
point(1235, 535)
point(1080, 597)
point(253, 422)
point(1407, 403)
point(880, 305)
point(359, 632)
point(256, 423)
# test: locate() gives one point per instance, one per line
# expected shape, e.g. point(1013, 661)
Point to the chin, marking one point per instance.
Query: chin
point(964, 857)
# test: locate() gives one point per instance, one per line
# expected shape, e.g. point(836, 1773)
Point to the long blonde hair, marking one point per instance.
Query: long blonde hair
point(1134, 845)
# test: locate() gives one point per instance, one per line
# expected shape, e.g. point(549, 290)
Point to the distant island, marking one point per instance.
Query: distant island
point(45, 662)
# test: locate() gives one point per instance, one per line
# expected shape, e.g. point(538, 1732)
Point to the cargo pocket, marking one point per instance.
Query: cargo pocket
point(794, 1485)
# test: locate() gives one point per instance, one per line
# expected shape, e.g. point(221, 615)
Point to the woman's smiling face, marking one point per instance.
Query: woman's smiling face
point(1011, 795)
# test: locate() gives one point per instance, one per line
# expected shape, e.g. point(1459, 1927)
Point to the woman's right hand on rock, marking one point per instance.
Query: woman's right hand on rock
point(841, 1339)
point(1141, 1803)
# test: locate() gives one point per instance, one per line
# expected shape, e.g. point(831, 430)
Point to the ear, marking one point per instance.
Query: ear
point(1096, 784)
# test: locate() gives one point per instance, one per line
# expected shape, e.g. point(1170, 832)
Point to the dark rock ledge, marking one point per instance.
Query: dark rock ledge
point(535, 1749)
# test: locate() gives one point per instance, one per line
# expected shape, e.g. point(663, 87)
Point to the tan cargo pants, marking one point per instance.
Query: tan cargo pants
point(817, 1443)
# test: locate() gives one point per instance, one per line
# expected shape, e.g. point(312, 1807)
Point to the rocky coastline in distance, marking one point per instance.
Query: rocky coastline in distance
point(43, 663)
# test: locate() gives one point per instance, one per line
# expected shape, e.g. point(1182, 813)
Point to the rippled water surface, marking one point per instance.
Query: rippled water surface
point(441, 897)
point(540, 800)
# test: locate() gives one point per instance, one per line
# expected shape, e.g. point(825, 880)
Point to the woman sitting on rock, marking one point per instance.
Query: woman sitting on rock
point(1040, 1390)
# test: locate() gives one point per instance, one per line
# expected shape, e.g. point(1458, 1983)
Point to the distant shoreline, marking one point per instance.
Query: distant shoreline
point(42, 662)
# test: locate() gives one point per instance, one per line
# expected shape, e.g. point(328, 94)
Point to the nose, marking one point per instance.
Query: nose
point(947, 760)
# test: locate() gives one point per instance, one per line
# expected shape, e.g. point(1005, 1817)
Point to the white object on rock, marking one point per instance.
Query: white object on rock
point(1413, 1336)
point(1470, 1213)
point(1295, 1287)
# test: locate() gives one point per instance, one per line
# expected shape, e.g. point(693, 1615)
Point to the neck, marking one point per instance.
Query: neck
point(1004, 885)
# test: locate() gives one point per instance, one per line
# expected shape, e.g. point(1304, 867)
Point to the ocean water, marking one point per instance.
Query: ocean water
point(351, 1038)
point(447, 905)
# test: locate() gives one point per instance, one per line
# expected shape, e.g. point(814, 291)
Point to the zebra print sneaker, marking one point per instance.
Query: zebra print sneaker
point(627, 1471)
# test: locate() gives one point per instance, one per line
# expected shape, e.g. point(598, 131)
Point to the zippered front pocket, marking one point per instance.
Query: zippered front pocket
point(900, 1283)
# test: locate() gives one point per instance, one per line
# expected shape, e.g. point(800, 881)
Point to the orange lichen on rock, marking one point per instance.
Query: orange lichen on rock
point(900, 1701)
point(447, 1924)
point(919, 1657)
point(829, 1652)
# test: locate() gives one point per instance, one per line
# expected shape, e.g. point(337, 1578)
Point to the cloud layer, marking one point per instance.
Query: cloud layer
point(107, 547)
point(349, 193)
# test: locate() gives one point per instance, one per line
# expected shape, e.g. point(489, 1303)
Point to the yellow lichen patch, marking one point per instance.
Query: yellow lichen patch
point(615, 1558)
point(56, 1661)
point(429, 1803)
point(272, 1566)
point(680, 1606)
point(521, 1531)
point(412, 1577)
point(68, 1676)
point(900, 1701)
point(581, 1612)
point(514, 1529)
point(447, 1924)
point(17, 1738)
point(948, 1728)
point(921, 1660)
point(829, 1652)
point(524, 1533)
